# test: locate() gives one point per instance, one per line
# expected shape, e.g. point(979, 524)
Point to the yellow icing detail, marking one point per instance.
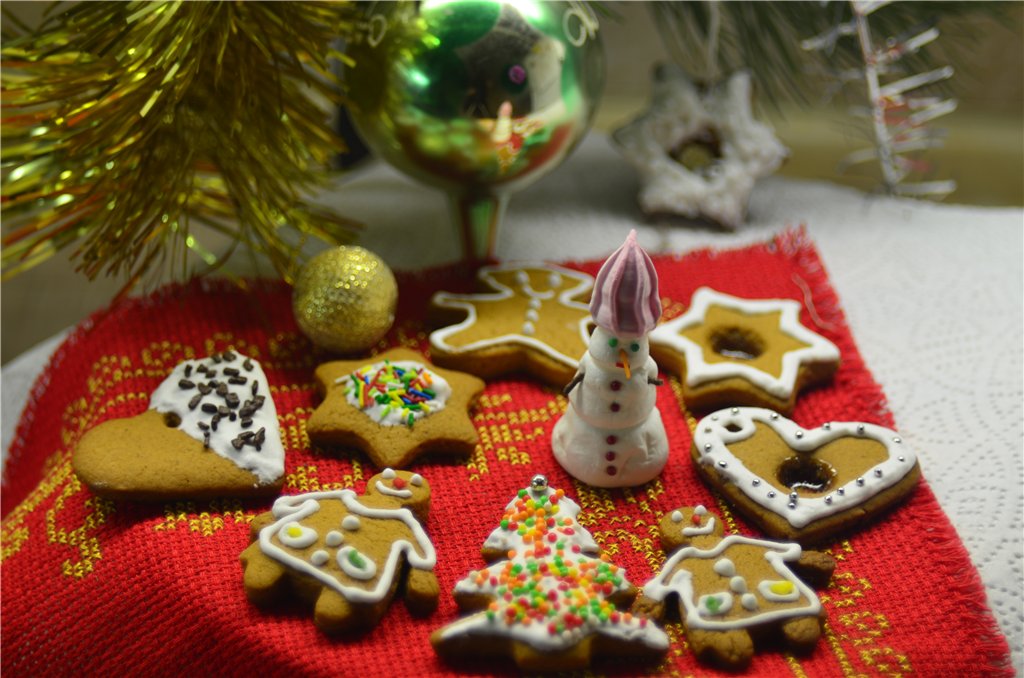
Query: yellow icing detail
point(294, 531)
point(781, 588)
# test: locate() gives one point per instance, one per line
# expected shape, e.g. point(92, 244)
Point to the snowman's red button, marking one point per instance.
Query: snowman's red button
point(616, 385)
point(615, 407)
point(611, 440)
point(611, 470)
point(609, 455)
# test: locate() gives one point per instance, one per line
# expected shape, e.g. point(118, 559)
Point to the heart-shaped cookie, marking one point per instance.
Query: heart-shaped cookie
point(802, 484)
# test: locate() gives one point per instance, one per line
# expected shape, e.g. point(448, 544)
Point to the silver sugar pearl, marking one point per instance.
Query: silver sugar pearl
point(735, 410)
point(791, 504)
point(841, 490)
point(860, 481)
point(538, 483)
point(902, 458)
point(827, 426)
point(878, 473)
point(707, 447)
point(897, 439)
point(793, 496)
point(714, 417)
point(860, 428)
point(828, 499)
point(756, 482)
point(722, 464)
point(799, 434)
point(773, 416)
point(771, 495)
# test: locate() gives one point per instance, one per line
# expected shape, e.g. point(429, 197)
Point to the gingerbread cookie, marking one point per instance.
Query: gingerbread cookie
point(732, 589)
point(346, 553)
point(802, 484)
point(395, 407)
point(535, 319)
point(550, 601)
point(732, 351)
point(211, 431)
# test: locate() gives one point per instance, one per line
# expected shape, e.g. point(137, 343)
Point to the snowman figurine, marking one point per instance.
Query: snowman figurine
point(611, 435)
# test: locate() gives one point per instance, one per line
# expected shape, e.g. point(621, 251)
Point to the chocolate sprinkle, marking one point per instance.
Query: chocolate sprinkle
point(223, 411)
point(222, 390)
point(237, 443)
point(237, 380)
point(231, 399)
point(203, 425)
point(205, 388)
point(188, 370)
point(247, 365)
point(229, 356)
point(186, 383)
point(195, 401)
point(246, 422)
point(231, 371)
point(210, 408)
point(206, 439)
point(216, 357)
point(255, 386)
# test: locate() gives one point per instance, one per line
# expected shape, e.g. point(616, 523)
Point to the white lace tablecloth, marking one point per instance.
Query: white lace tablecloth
point(934, 295)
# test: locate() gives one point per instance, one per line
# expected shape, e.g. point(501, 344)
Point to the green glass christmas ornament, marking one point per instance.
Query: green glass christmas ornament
point(477, 97)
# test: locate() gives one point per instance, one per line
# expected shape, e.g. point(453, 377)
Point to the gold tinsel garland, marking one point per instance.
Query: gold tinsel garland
point(125, 124)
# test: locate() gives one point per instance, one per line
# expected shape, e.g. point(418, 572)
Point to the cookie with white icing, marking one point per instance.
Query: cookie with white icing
point(733, 351)
point(732, 591)
point(548, 599)
point(346, 554)
point(532, 318)
point(804, 484)
point(394, 407)
point(211, 430)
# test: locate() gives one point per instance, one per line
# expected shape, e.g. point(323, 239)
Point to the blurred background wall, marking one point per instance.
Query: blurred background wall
point(984, 151)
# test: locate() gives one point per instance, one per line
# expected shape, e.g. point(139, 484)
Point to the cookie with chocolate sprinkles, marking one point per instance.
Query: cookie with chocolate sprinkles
point(395, 407)
point(206, 434)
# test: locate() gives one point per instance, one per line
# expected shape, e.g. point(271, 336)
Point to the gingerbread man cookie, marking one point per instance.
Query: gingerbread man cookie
point(210, 431)
point(395, 407)
point(732, 351)
point(549, 600)
point(732, 589)
point(802, 484)
point(534, 319)
point(346, 553)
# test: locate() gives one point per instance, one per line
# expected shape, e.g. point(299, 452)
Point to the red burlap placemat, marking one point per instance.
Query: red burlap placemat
point(92, 586)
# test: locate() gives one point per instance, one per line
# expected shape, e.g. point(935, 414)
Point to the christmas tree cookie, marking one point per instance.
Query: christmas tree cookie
point(548, 599)
point(395, 407)
point(347, 554)
point(733, 589)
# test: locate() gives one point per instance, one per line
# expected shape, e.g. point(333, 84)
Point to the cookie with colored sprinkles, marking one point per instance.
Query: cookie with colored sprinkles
point(735, 591)
point(211, 430)
point(549, 600)
point(348, 555)
point(394, 407)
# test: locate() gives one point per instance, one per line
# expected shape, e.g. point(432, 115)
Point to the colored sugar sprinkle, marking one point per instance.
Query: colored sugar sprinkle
point(396, 393)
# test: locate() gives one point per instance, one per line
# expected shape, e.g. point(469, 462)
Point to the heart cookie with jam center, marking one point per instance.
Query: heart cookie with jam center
point(802, 484)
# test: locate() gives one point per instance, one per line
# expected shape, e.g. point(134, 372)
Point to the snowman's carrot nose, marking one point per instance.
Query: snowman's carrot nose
point(625, 362)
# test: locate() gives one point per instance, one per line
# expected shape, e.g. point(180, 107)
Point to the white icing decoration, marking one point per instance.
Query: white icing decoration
point(738, 584)
point(388, 473)
point(749, 602)
point(267, 463)
point(504, 540)
point(296, 536)
point(334, 539)
point(392, 492)
point(465, 302)
point(725, 567)
point(899, 462)
point(677, 517)
point(764, 588)
point(676, 579)
point(700, 510)
point(700, 371)
point(680, 111)
point(416, 480)
point(393, 415)
point(532, 315)
point(366, 572)
point(350, 522)
point(319, 557)
point(708, 528)
point(419, 552)
point(724, 604)
point(528, 329)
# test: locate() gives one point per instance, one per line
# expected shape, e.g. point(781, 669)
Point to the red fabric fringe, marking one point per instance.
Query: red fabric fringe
point(91, 586)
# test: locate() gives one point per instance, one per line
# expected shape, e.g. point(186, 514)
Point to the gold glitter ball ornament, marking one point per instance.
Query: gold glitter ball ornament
point(344, 299)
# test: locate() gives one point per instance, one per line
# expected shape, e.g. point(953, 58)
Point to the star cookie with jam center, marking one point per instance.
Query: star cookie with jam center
point(732, 351)
point(394, 407)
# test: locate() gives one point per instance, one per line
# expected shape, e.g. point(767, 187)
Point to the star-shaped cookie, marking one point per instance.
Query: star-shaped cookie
point(699, 152)
point(731, 351)
point(395, 406)
point(533, 319)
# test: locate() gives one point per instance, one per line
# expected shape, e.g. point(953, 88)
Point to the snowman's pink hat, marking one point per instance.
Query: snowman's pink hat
point(625, 300)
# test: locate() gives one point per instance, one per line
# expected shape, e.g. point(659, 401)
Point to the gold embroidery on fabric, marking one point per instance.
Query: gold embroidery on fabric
point(794, 665)
point(183, 515)
point(887, 661)
point(305, 478)
point(837, 649)
point(80, 537)
point(503, 432)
